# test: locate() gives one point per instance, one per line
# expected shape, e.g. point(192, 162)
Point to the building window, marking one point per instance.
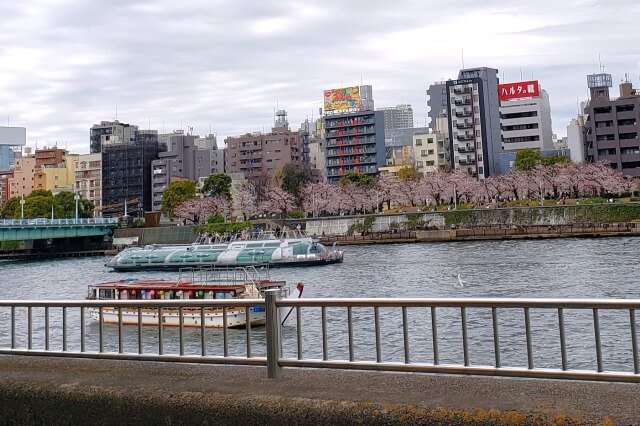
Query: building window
point(418, 142)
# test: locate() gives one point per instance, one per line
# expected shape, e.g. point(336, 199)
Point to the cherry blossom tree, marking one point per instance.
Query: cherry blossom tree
point(277, 201)
point(198, 210)
point(245, 201)
point(435, 185)
point(318, 198)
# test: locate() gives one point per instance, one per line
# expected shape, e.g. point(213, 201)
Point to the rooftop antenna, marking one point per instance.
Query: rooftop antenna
point(462, 56)
point(116, 112)
point(600, 62)
point(520, 73)
point(149, 123)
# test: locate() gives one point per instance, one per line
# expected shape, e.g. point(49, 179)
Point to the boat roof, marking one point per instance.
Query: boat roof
point(181, 285)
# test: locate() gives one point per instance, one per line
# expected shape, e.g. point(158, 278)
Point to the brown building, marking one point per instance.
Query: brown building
point(257, 154)
point(50, 156)
point(612, 126)
point(5, 190)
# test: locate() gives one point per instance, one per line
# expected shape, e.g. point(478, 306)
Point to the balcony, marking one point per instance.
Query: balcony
point(462, 90)
point(464, 125)
point(335, 124)
point(464, 137)
point(465, 149)
point(463, 113)
point(465, 101)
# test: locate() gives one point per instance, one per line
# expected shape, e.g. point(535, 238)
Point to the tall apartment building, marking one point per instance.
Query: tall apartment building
point(111, 132)
point(397, 117)
point(22, 181)
point(126, 173)
point(612, 125)
point(88, 180)
point(526, 121)
point(354, 143)
point(353, 133)
point(257, 154)
point(182, 160)
point(474, 122)
point(11, 141)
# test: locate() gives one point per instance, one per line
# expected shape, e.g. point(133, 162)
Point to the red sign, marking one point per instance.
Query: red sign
point(523, 89)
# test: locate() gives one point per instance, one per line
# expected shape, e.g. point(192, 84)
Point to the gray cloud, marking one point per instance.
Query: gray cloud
point(225, 64)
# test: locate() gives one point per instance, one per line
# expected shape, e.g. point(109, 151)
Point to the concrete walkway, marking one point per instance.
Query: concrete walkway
point(70, 391)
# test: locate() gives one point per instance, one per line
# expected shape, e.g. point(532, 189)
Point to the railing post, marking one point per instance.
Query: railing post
point(274, 370)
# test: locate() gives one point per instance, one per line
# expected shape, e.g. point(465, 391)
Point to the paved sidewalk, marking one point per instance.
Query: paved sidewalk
point(37, 390)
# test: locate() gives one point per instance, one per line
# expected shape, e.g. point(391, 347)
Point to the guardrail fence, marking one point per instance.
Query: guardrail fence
point(542, 338)
point(50, 222)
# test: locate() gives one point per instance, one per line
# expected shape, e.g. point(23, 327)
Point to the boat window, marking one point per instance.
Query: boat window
point(106, 294)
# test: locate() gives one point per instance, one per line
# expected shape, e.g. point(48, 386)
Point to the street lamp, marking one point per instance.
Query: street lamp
point(22, 207)
point(76, 198)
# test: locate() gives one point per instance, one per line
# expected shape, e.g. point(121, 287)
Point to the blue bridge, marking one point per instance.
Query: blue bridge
point(45, 229)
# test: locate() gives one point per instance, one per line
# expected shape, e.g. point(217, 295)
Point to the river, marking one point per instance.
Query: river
point(562, 268)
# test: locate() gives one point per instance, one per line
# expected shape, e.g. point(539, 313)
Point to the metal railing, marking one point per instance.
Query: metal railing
point(50, 222)
point(557, 338)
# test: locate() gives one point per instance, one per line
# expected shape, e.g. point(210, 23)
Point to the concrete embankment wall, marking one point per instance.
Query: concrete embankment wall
point(37, 391)
point(553, 215)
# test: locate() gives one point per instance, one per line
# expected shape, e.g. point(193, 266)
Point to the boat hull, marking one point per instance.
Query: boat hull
point(179, 265)
point(213, 318)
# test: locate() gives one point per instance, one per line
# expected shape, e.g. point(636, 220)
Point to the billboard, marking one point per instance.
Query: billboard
point(343, 99)
point(523, 89)
point(13, 136)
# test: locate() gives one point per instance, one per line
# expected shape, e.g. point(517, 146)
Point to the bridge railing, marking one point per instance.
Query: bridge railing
point(585, 339)
point(54, 222)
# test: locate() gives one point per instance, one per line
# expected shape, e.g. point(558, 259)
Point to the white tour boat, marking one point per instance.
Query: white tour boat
point(193, 284)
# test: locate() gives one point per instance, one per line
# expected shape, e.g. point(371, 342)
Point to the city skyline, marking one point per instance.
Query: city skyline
point(225, 66)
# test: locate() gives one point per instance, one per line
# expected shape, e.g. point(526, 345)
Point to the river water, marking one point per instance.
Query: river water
point(563, 268)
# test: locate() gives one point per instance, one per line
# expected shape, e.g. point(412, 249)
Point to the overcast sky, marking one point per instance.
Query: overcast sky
point(224, 65)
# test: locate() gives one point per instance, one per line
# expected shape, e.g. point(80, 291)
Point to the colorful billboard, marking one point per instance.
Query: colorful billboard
point(523, 89)
point(343, 99)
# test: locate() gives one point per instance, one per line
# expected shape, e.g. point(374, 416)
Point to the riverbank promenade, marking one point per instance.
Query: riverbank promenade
point(35, 390)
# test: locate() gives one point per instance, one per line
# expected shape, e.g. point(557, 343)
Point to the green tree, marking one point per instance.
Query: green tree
point(527, 159)
point(175, 194)
point(556, 159)
point(217, 184)
point(38, 206)
point(40, 193)
point(409, 173)
point(11, 209)
point(358, 179)
point(292, 179)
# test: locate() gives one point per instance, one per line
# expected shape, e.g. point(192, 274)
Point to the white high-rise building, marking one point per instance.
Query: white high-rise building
point(575, 139)
point(526, 123)
point(398, 117)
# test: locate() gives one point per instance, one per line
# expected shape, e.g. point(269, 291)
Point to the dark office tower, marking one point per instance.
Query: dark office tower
point(126, 174)
point(111, 132)
point(612, 126)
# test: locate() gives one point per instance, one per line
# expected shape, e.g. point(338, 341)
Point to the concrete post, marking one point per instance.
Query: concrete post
point(274, 370)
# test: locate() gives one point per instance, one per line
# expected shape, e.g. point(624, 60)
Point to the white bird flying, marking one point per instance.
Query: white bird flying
point(461, 281)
